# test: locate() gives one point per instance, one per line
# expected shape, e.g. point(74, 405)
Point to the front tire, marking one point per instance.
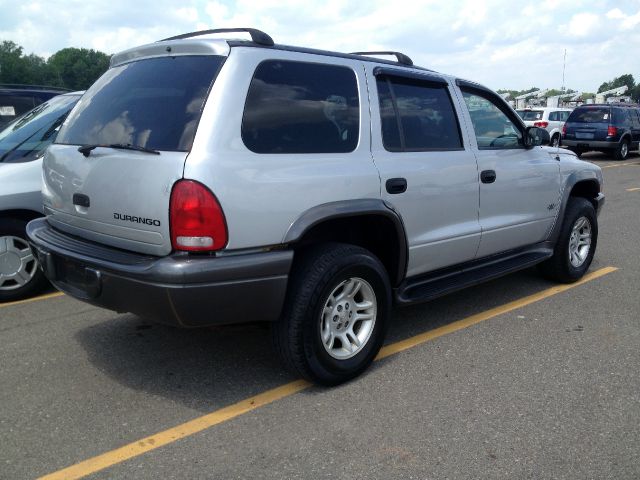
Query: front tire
point(20, 275)
point(576, 243)
point(336, 315)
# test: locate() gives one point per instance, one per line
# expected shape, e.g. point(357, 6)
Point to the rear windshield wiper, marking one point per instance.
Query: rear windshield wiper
point(86, 149)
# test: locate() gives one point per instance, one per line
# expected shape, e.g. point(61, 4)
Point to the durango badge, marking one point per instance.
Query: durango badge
point(131, 218)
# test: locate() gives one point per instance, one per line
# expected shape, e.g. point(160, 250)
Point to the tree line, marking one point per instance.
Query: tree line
point(72, 68)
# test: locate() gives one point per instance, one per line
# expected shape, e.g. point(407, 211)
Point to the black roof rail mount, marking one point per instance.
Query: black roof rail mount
point(402, 58)
point(257, 36)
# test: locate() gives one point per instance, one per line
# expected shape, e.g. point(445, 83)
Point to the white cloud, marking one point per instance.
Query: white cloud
point(583, 24)
point(497, 42)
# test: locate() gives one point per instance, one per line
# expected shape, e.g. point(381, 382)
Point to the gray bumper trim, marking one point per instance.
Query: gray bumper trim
point(185, 290)
point(589, 143)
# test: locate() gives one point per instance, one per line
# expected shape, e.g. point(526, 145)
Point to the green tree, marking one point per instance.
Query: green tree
point(77, 68)
point(620, 81)
point(12, 67)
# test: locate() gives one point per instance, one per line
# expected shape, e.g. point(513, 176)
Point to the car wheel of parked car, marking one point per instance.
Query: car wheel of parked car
point(555, 141)
point(622, 151)
point(20, 275)
point(576, 244)
point(336, 314)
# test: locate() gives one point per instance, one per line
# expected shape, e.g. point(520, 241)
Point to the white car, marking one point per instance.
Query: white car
point(552, 119)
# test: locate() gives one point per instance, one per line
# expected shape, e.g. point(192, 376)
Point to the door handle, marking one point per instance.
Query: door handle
point(396, 185)
point(488, 176)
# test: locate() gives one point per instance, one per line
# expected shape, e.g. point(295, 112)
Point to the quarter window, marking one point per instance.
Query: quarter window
point(493, 128)
point(299, 107)
point(417, 115)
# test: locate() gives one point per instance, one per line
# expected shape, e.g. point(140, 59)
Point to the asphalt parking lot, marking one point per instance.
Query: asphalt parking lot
point(516, 378)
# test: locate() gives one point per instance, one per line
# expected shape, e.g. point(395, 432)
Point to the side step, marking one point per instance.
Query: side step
point(436, 284)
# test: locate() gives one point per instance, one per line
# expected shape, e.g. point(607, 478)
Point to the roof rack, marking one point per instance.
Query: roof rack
point(257, 36)
point(402, 58)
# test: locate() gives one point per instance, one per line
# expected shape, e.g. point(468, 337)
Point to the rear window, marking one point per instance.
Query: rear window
point(26, 138)
point(530, 115)
point(590, 115)
point(154, 103)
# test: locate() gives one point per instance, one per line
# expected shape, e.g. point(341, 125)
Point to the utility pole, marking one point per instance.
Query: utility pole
point(564, 63)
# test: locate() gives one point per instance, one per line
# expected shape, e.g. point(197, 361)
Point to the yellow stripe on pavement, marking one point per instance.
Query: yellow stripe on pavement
point(139, 447)
point(633, 189)
point(34, 299)
point(629, 164)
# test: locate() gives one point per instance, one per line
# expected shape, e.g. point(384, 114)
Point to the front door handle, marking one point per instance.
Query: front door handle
point(488, 176)
point(396, 185)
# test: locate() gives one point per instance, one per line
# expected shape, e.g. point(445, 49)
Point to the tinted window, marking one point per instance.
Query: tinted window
point(564, 116)
point(531, 115)
point(492, 126)
point(298, 107)
point(554, 116)
point(591, 115)
point(635, 117)
point(26, 138)
point(416, 116)
point(154, 103)
point(12, 106)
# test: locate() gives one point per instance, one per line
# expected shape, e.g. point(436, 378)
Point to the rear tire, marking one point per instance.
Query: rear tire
point(20, 274)
point(555, 140)
point(576, 243)
point(328, 334)
point(622, 151)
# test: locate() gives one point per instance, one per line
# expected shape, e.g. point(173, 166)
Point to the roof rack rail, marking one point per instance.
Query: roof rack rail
point(257, 36)
point(402, 58)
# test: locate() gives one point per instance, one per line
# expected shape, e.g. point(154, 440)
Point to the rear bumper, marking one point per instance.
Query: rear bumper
point(183, 290)
point(590, 144)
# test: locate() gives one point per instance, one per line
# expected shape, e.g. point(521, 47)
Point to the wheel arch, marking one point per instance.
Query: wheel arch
point(369, 223)
point(584, 184)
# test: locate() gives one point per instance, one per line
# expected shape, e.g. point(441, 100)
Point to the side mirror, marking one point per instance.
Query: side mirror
point(534, 137)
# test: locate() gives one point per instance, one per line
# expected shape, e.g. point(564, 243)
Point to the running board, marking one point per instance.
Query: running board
point(424, 288)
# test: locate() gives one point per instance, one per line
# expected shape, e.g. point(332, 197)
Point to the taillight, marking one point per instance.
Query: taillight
point(196, 218)
point(541, 124)
point(564, 130)
point(612, 131)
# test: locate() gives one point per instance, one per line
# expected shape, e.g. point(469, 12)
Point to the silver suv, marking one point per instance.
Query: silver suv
point(209, 181)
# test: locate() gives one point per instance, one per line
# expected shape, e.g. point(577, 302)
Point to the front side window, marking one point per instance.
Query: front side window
point(493, 127)
point(154, 103)
point(416, 115)
point(300, 107)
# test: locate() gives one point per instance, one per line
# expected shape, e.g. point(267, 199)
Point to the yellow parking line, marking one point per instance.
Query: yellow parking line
point(630, 164)
point(157, 440)
point(34, 299)
point(633, 189)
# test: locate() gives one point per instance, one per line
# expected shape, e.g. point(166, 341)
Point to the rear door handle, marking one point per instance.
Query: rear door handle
point(488, 176)
point(396, 185)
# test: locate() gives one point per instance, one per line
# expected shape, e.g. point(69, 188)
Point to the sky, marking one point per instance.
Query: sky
point(513, 44)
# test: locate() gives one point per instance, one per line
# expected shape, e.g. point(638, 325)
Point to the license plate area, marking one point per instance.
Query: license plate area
point(83, 281)
point(584, 136)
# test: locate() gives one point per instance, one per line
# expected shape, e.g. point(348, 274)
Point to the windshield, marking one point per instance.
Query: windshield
point(27, 137)
point(154, 103)
point(590, 115)
point(530, 115)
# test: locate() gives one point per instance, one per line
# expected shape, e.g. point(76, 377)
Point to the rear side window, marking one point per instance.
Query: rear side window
point(591, 115)
point(154, 103)
point(416, 115)
point(554, 116)
point(301, 107)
